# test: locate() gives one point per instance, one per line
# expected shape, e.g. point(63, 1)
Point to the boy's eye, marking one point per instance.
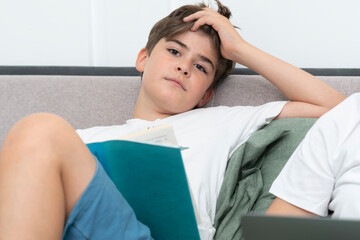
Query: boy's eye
point(174, 52)
point(201, 68)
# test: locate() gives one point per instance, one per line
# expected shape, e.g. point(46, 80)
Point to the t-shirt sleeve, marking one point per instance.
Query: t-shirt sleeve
point(306, 180)
point(238, 123)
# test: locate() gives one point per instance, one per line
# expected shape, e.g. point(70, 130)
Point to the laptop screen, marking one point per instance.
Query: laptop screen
point(257, 227)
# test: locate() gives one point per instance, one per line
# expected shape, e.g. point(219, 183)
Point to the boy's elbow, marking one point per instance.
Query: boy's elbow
point(333, 101)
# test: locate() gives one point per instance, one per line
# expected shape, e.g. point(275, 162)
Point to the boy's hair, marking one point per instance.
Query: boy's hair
point(173, 25)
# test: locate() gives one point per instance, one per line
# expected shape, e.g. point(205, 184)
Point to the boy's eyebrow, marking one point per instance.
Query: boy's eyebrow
point(202, 57)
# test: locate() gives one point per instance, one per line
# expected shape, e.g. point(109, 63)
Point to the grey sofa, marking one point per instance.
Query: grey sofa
point(92, 96)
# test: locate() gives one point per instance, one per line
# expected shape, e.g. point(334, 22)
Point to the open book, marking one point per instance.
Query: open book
point(148, 170)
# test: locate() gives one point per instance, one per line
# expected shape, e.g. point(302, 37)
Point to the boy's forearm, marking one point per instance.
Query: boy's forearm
point(296, 84)
point(281, 207)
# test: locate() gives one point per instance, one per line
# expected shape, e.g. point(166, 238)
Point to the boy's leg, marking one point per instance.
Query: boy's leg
point(44, 168)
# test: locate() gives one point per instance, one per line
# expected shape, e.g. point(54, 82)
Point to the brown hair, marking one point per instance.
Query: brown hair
point(173, 25)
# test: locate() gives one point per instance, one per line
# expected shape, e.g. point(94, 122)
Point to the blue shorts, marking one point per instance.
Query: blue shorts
point(103, 213)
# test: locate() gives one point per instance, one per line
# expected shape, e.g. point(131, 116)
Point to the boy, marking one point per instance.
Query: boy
point(322, 176)
point(58, 181)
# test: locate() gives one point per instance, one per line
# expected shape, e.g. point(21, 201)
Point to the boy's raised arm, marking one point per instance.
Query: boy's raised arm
point(309, 96)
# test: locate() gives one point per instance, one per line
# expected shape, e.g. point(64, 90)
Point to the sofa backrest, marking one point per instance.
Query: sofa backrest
point(87, 101)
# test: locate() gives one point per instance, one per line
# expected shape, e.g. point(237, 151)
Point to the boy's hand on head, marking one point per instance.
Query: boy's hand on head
point(229, 37)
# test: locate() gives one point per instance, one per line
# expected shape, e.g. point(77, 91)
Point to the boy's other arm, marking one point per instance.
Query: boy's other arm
point(309, 96)
point(281, 207)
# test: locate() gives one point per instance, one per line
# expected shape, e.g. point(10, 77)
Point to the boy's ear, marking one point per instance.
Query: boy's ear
point(141, 60)
point(206, 98)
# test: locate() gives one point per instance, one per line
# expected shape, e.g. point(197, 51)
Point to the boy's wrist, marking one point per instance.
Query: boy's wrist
point(240, 52)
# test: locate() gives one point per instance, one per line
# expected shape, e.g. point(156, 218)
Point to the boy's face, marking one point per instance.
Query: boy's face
point(178, 73)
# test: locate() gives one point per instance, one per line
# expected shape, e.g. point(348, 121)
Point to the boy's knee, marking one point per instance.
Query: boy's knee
point(38, 130)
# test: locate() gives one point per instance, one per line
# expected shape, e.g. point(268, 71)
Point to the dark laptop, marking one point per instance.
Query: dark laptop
point(298, 228)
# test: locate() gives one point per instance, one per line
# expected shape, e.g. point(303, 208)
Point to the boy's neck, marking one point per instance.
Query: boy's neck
point(141, 113)
point(146, 111)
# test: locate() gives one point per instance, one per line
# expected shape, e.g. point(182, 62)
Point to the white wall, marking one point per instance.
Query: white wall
point(306, 33)
point(44, 32)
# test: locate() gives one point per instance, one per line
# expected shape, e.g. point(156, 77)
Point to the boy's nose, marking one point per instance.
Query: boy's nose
point(184, 71)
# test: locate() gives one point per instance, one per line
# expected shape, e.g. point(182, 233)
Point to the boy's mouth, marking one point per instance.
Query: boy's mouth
point(176, 82)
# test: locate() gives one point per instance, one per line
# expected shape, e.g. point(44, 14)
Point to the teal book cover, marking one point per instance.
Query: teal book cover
point(152, 179)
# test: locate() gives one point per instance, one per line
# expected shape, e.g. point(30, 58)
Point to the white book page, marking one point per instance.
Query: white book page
point(158, 135)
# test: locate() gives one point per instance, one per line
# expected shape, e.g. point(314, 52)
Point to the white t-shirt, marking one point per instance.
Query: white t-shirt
point(211, 135)
point(324, 171)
